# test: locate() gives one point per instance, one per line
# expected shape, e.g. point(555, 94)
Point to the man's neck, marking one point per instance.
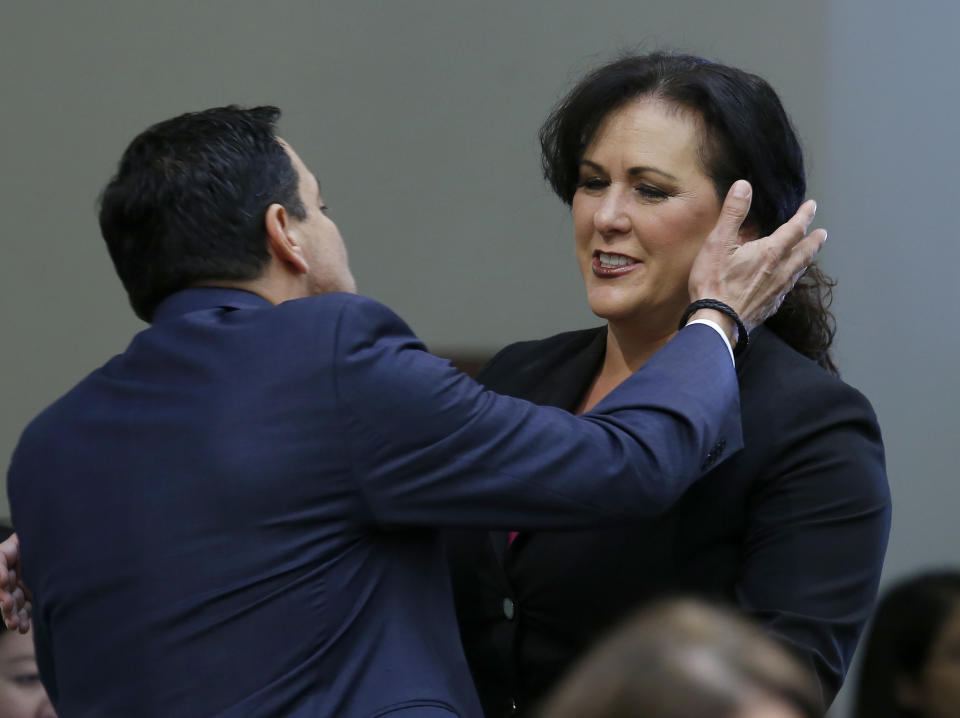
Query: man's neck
point(275, 290)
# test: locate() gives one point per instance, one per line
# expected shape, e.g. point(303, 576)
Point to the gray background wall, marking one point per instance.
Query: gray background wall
point(420, 117)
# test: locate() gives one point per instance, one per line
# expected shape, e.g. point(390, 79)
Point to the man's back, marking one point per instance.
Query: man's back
point(199, 488)
point(237, 515)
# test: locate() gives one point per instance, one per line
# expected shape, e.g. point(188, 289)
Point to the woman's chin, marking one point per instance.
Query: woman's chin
point(645, 316)
point(616, 311)
point(611, 303)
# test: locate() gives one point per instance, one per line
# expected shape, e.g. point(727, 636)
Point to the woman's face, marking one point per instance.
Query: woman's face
point(21, 693)
point(642, 208)
point(937, 691)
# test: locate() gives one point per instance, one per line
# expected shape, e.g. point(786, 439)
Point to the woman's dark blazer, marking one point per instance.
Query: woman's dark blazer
point(793, 529)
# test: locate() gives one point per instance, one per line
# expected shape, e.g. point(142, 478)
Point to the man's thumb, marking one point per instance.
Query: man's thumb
point(733, 213)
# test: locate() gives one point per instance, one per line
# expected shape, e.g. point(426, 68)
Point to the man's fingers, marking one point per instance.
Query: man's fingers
point(806, 213)
point(803, 253)
point(788, 235)
point(812, 244)
point(10, 548)
point(23, 620)
point(795, 264)
point(16, 607)
point(10, 613)
point(9, 553)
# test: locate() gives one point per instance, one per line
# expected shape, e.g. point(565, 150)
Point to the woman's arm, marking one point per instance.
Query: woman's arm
point(817, 528)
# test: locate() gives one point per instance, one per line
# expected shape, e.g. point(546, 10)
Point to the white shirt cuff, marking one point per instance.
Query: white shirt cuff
point(718, 330)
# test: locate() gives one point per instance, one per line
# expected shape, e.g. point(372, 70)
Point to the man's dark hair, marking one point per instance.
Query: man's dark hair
point(745, 134)
point(907, 622)
point(188, 202)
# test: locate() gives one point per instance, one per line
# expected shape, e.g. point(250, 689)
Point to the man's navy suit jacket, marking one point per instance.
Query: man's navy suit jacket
point(237, 516)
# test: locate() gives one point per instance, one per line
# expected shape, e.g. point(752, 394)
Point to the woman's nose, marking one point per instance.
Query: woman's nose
point(611, 216)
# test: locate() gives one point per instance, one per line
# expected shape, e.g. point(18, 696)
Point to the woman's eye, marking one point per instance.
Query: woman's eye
point(593, 183)
point(648, 192)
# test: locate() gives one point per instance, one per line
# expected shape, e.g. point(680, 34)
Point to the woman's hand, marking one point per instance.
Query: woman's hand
point(753, 276)
point(14, 596)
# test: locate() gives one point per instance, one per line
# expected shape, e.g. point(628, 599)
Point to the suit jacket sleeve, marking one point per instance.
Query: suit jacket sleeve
point(818, 528)
point(429, 446)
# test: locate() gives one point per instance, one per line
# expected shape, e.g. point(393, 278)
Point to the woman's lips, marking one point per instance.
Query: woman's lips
point(610, 265)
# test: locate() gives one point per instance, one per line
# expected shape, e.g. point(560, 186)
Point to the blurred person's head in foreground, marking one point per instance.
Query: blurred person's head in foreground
point(686, 659)
point(911, 664)
point(21, 692)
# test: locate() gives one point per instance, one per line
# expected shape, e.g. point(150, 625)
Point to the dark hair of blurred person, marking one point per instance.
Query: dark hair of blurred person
point(745, 134)
point(190, 196)
point(21, 692)
point(686, 659)
point(911, 664)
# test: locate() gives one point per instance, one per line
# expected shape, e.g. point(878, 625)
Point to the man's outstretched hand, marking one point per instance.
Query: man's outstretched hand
point(753, 276)
point(14, 596)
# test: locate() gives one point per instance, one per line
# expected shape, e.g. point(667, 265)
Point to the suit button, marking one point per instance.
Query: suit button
point(514, 708)
point(713, 454)
point(509, 609)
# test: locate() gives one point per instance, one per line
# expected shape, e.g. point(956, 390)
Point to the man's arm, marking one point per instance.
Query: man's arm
point(430, 447)
point(751, 278)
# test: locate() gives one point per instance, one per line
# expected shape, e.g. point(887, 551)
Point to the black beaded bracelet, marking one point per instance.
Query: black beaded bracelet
point(742, 337)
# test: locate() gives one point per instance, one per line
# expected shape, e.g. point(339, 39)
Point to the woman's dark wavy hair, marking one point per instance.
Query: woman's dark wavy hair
point(745, 135)
point(188, 201)
point(905, 626)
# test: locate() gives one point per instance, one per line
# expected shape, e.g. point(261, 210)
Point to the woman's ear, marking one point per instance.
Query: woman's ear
point(282, 242)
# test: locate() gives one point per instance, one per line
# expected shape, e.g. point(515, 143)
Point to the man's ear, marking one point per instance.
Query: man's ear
point(282, 242)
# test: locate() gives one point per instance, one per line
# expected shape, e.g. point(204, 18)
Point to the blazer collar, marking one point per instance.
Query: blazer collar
point(199, 298)
point(564, 375)
point(568, 373)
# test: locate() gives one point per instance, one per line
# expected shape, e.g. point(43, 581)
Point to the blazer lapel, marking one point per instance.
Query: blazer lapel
point(499, 545)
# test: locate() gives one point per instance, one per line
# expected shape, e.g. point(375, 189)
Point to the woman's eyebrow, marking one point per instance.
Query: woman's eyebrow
point(633, 171)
